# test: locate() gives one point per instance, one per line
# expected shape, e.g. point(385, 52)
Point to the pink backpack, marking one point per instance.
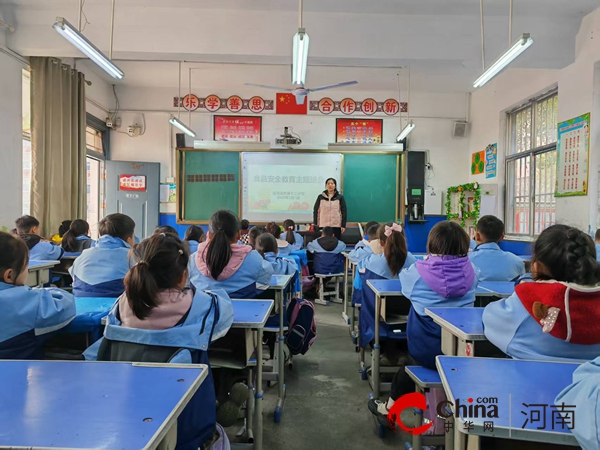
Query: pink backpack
point(302, 330)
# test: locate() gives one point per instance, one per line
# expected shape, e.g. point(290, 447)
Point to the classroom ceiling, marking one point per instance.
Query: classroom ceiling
point(230, 42)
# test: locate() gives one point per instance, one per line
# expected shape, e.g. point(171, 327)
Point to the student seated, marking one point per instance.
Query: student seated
point(29, 315)
point(100, 270)
point(583, 394)
point(366, 237)
point(395, 257)
point(222, 264)
point(266, 245)
point(62, 229)
point(446, 278)
point(364, 249)
point(245, 231)
point(158, 320)
point(77, 239)
point(28, 228)
point(194, 235)
point(597, 239)
point(294, 239)
point(165, 229)
point(284, 246)
point(326, 250)
point(493, 263)
point(554, 317)
point(255, 232)
point(327, 243)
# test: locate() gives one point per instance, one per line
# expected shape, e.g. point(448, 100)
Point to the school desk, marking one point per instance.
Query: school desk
point(512, 385)
point(39, 272)
point(93, 405)
point(89, 314)
point(279, 284)
point(461, 328)
point(253, 314)
point(381, 289)
point(502, 289)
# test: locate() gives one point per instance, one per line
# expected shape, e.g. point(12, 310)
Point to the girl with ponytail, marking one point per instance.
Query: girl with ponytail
point(385, 265)
point(222, 264)
point(294, 239)
point(554, 317)
point(77, 238)
point(158, 320)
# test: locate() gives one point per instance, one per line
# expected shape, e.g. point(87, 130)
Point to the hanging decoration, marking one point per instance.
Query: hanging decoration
point(463, 211)
point(348, 106)
point(233, 103)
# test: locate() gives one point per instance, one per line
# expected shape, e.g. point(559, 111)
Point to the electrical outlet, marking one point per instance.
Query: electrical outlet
point(109, 122)
point(134, 130)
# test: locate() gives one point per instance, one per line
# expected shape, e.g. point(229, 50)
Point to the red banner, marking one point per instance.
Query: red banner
point(132, 182)
point(359, 131)
point(213, 103)
point(368, 106)
point(238, 128)
point(286, 104)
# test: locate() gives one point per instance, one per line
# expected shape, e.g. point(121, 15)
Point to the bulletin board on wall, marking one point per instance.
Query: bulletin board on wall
point(209, 180)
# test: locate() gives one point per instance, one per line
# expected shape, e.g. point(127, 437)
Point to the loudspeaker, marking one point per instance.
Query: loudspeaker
point(180, 140)
point(460, 129)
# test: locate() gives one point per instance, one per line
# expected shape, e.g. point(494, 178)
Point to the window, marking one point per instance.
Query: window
point(531, 167)
point(26, 89)
point(96, 153)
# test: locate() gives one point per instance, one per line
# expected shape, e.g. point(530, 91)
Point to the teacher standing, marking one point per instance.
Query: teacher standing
point(330, 209)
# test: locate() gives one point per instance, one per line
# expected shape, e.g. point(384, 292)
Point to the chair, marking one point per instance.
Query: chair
point(325, 266)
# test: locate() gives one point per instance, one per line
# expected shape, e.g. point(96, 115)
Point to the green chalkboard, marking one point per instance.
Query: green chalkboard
point(211, 182)
point(370, 183)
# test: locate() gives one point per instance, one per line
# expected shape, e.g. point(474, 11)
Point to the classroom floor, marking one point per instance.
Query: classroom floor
point(326, 404)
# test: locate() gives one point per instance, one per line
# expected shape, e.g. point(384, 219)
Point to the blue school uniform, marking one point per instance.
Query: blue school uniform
point(495, 264)
point(100, 270)
point(29, 316)
point(45, 251)
point(598, 252)
point(246, 275)
point(374, 267)
point(438, 281)
point(281, 266)
point(472, 244)
point(283, 247)
point(583, 394)
point(510, 326)
point(327, 258)
point(298, 241)
point(360, 252)
point(193, 245)
point(209, 317)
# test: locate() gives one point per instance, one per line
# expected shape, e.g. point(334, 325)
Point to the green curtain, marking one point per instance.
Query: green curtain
point(58, 151)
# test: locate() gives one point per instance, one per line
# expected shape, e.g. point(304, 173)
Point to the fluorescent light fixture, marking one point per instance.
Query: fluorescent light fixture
point(406, 131)
point(511, 54)
point(70, 33)
point(179, 124)
point(300, 62)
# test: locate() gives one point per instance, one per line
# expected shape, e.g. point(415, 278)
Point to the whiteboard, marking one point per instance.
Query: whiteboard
point(280, 186)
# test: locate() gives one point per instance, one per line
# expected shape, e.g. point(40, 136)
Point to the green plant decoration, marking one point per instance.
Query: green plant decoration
point(463, 214)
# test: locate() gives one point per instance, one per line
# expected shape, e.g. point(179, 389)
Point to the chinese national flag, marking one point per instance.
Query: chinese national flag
point(286, 104)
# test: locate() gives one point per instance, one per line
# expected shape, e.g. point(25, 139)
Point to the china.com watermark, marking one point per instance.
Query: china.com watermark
point(561, 417)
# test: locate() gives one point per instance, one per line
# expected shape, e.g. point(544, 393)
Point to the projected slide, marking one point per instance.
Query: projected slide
point(279, 186)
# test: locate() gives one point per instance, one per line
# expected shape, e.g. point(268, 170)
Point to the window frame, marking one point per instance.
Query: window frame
point(100, 126)
point(512, 156)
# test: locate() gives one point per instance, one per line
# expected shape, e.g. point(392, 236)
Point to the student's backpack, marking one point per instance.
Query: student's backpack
point(302, 330)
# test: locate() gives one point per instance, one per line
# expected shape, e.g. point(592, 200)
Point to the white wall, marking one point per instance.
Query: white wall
point(11, 144)
point(433, 115)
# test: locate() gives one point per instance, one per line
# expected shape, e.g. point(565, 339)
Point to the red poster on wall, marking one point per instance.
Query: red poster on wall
point(132, 182)
point(359, 131)
point(238, 128)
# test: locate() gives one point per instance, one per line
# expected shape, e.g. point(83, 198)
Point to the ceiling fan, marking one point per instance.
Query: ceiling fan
point(299, 64)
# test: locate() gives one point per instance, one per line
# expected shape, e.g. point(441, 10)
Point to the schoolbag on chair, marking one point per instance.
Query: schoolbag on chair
point(302, 330)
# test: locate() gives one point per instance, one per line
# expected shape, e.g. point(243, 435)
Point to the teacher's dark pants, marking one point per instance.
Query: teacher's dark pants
point(337, 232)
